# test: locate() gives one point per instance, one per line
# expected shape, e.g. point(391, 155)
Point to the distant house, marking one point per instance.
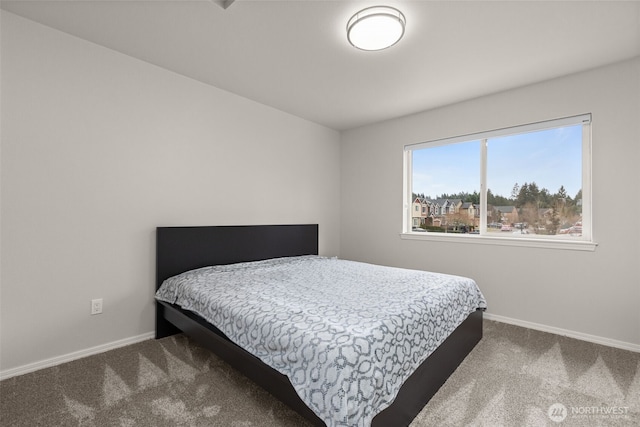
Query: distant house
point(441, 212)
point(434, 208)
point(472, 212)
point(419, 212)
point(449, 206)
point(468, 208)
point(508, 214)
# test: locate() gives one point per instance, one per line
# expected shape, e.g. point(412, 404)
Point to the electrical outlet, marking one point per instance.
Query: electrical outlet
point(96, 306)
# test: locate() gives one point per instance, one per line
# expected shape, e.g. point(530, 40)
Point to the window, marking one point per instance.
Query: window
point(528, 183)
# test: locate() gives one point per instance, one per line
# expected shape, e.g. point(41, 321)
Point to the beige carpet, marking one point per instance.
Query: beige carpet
point(514, 377)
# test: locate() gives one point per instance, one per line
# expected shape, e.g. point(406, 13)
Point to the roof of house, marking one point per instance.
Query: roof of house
point(441, 202)
point(504, 209)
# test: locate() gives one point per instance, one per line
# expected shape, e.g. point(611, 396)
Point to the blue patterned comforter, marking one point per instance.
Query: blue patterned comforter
point(347, 334)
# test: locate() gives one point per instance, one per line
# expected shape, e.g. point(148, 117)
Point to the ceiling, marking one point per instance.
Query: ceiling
point(294, 56)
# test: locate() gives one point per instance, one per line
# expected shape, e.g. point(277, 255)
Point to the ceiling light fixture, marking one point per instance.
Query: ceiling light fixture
point(376, 28)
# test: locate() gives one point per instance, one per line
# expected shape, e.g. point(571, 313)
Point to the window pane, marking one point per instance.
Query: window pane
point(446, 187)
point(534, 183)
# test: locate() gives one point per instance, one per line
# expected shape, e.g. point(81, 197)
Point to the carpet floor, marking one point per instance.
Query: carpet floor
point(514, 377)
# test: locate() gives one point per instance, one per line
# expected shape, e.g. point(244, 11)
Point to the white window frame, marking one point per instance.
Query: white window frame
point(585, 243)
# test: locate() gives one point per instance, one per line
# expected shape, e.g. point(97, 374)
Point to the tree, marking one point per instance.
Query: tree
point(545, 200)
point(458, 219)
point(562, 193)
point(515, 191)
point(553, 226)
point(524, 195)
point(534, 192)
point(578, 195)
point(497, 200)
point(474, 198)
point(529, 214)
point(529, 194)
point(578, 202)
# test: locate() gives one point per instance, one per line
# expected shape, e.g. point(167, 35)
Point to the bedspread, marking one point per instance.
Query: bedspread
point(346, 334)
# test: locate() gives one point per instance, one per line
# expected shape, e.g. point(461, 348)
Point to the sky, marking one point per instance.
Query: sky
point(550, 158)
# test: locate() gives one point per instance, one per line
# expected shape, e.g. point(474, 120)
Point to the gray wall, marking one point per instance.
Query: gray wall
point(97, 150)
point(590, 294)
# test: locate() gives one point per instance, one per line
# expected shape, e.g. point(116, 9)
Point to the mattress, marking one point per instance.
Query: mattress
point(346, 334)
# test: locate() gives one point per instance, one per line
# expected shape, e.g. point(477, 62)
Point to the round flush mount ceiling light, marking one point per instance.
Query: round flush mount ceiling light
point(376, 28)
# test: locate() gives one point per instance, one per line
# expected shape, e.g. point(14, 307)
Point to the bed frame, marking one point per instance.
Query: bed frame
point(180, 249)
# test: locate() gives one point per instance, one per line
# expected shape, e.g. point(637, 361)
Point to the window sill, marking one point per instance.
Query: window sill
point(571, 245)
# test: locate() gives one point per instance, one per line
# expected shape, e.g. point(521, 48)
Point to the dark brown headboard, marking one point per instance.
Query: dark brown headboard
point(180, 249)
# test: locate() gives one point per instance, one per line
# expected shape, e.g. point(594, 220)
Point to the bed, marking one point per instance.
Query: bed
point(182, 249)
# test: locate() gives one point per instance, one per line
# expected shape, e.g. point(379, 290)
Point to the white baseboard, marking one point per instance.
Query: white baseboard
point(31, 367)
point(565, 332)
point(25, 369)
